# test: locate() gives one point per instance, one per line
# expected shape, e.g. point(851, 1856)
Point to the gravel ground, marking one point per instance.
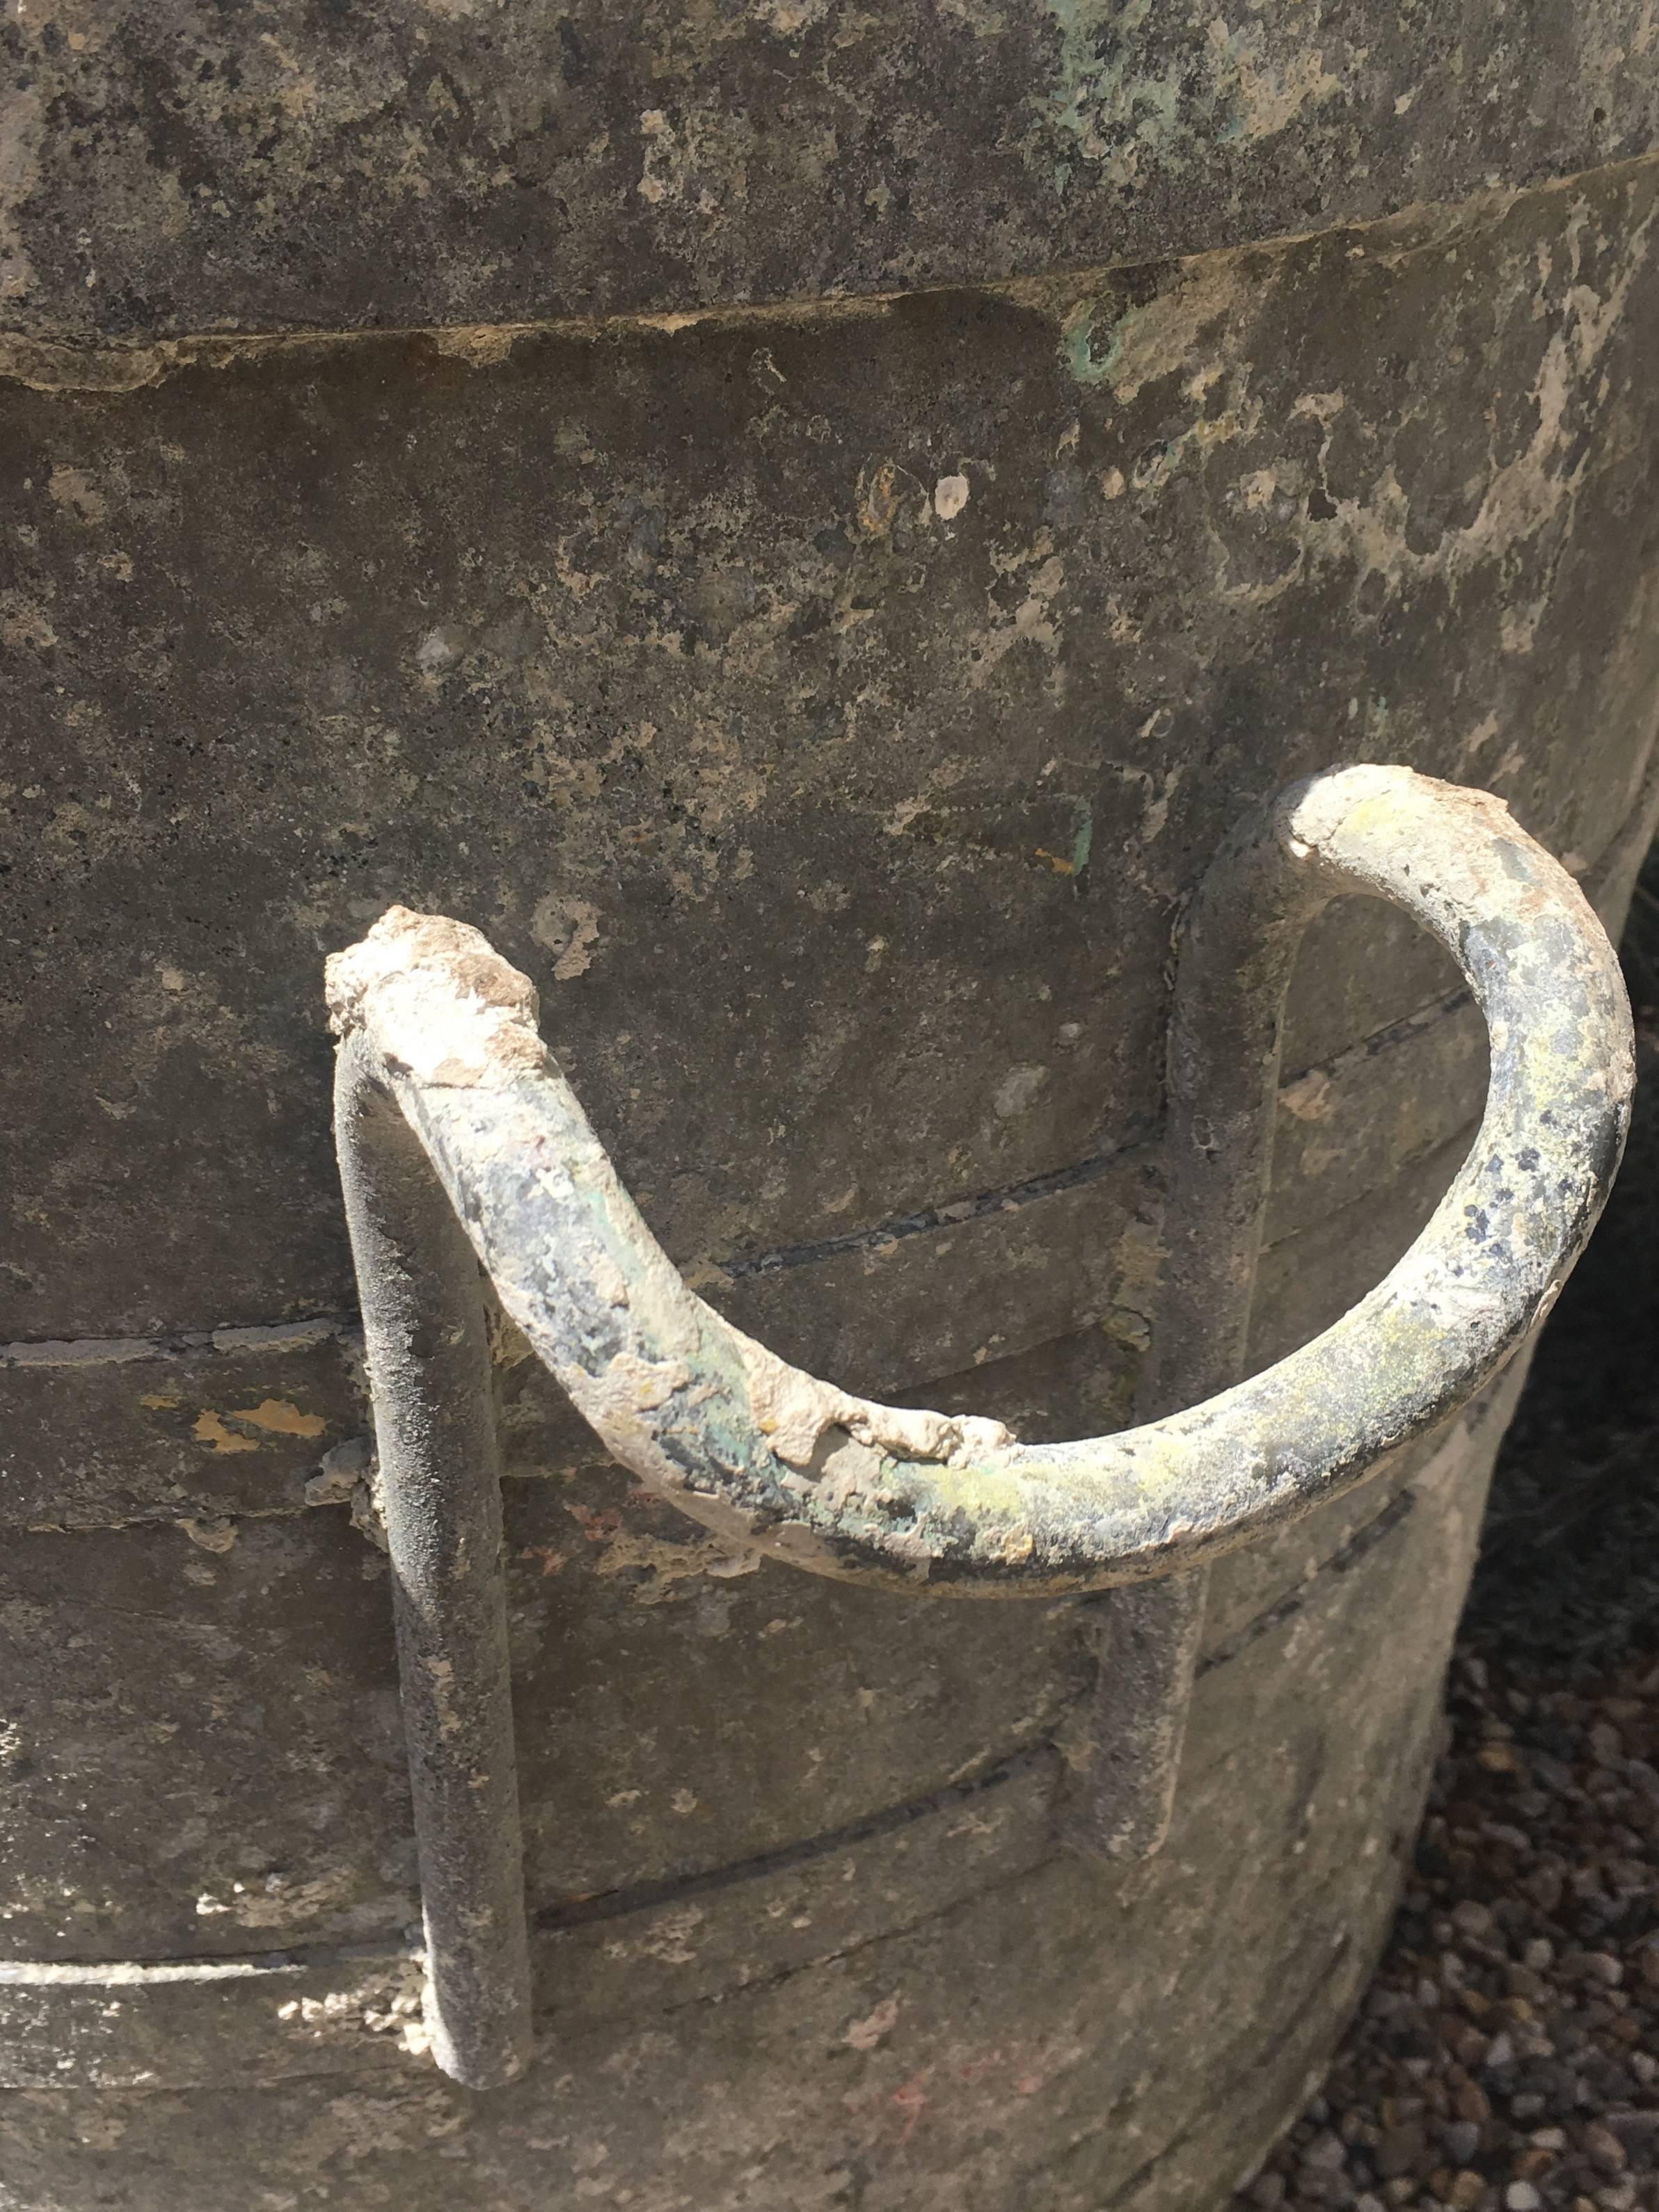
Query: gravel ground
point(1506, 2058)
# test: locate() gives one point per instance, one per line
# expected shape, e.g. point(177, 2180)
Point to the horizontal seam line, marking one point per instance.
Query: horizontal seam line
point(551, 1920)
point(892, 1820)
point(953, 1214)
point(1290, 1602)
point(178, 1343)
point(1013, 1197)
point(204, 1966)
point(94, 347)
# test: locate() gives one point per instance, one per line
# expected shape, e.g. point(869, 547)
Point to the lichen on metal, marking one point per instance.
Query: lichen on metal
point(772, 1457)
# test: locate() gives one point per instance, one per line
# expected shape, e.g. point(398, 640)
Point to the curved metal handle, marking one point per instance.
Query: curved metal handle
point(771, 1457)
point(439, 1040)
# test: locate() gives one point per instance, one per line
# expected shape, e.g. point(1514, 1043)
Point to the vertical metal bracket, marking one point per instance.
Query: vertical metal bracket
point(429, 1380)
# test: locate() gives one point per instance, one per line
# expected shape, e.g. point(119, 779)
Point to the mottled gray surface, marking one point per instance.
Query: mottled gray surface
point(843, 839)
point(599, 1963)
point(186, 167)
point(1043, 2037)
point(204, 1752)
point(828, 707)
point(678, 1709)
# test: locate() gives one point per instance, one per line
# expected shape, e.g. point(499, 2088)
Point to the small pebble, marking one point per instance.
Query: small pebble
point(1473, 2103)
point(1521, 2196)
point(1462, 2140)
point(1606, 1743)
point(1402, 2150)
point(1605, 2147)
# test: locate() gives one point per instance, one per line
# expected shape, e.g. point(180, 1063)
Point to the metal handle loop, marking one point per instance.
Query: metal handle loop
point(437, 1025)
point(769, 1456)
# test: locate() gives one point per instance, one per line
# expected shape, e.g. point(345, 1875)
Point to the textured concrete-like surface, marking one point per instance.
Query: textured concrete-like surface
point(599, 1963)
point(203, 1753)
point(678, 1711)
point(179, 168)
point(238, 1421)
point(828, 708)
point(842, 835)
point(1042, 2036)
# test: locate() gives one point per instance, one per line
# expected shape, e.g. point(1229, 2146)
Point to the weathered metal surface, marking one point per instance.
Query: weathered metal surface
point(1127, 1760)
point(240, 1707)
point(239, 1421)
point(768, 1457)
point(255, 1724)
point(653, 621)
point(601, 1963)
point(894, 717)
point(437, 1029)
point(930, 2061)
point(440, 1494)
point(177, 170)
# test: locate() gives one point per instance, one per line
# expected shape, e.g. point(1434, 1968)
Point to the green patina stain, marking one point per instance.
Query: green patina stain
point(984, 1489)
point(1077, 347)
point(1082, 845)
point(1096, 103)
point(1097, 334)
point(1132, 88)
point(1125, 339)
